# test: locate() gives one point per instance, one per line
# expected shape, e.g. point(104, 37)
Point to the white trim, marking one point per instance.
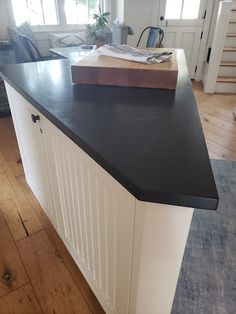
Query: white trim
point(160, 236)
point(217, 46)
point(209, 11)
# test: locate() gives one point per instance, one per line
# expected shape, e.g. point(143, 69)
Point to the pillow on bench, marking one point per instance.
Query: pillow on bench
point(67, 40)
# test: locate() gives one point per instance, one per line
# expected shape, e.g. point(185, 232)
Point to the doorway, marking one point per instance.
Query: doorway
point(183, 23)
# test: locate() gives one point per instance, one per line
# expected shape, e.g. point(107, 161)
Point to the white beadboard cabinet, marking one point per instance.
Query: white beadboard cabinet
point(29, 142)
point(130, 252)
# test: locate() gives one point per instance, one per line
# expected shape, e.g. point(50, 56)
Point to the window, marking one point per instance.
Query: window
point(80, 11)
point(36, 12)
point(182, 9)
point(47, 12)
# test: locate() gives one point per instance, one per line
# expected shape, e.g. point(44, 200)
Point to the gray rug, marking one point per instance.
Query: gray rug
point(207, 282)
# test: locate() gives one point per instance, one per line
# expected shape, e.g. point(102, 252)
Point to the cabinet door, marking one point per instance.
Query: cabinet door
point(52, 205)
point(28, 137)
point(94, 216)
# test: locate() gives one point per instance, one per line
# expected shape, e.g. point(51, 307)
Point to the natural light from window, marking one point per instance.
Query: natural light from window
point(182, 9)
point(45, 12)
point(36, 12)
point(80, 11)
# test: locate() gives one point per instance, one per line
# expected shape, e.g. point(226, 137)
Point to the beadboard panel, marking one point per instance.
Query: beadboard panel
point(94, 216)
point(93, 213)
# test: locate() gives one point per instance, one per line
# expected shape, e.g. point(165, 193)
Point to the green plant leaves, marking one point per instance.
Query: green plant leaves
point(101, 21)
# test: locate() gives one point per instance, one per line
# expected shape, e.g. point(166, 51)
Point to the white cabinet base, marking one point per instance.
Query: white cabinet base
point(130, 252)
point(160, 236)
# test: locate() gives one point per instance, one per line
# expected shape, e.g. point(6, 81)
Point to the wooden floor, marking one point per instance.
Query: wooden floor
point(37, 274)
point(218, 122)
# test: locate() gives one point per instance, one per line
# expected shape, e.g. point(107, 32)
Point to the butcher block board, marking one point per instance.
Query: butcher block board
point(102, 70)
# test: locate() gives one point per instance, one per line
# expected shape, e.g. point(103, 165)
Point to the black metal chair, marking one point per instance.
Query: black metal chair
point(155, 37)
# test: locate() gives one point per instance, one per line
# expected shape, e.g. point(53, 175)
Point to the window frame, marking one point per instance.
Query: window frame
point(181, 22)
point(61, 16)
point(181, 12)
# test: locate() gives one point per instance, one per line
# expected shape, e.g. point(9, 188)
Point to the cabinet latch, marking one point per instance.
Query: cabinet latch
point(35, 118)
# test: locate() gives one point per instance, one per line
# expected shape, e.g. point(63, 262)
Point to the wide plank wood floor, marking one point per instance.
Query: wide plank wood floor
point(218, 118)
point(37, 273)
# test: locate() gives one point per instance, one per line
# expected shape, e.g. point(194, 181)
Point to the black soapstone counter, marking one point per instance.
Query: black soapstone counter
point(149, 140)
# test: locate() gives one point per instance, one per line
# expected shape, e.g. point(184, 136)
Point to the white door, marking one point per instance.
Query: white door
point(182, 22)
point(35, 138)
point(28, 137)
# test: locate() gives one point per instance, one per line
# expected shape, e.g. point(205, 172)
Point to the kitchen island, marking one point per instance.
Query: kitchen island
point(118, 171)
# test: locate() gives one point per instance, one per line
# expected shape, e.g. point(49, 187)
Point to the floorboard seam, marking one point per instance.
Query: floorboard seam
point(29, 276)
point(23, 224)
point(13, 290)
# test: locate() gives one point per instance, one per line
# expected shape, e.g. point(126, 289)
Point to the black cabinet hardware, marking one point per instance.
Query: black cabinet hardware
point(35, 118)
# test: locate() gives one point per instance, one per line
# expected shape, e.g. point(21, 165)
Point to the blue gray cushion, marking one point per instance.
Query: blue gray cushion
point(26, 30)
point(22, 53)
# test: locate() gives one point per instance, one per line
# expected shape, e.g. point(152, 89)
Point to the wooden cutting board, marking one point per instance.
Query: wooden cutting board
point(102, 70)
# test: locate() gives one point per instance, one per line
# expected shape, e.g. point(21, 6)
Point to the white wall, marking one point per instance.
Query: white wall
point(117, 7)
point(5, 18)
point(140, 14)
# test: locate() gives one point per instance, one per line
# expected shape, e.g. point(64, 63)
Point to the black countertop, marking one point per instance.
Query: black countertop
point(72, 53)
point(150, 140)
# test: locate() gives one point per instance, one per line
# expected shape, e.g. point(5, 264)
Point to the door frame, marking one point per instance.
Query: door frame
point(183, 22)
point(203, 45)
point(206, 30)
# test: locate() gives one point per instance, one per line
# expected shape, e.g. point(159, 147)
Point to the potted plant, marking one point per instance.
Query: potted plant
point(99, 28)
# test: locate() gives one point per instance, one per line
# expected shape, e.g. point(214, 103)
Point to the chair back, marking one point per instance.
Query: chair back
point(155, 37)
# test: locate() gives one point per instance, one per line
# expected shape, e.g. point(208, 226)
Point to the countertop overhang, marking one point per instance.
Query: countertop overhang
point(150, 140)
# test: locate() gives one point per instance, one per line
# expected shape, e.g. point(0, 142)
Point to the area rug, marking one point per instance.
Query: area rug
point(207, 282)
